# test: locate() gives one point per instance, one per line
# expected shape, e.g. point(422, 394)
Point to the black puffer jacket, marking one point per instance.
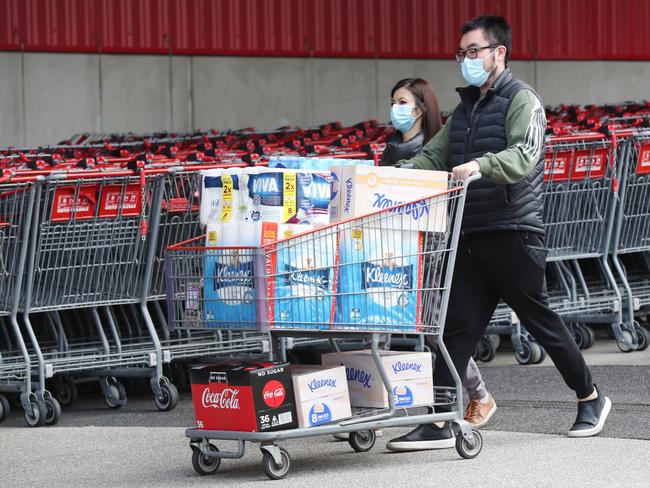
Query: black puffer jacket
point(397, 150)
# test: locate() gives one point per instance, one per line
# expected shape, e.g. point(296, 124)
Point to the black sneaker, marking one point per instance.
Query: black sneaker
point(426, 436)
point(591, 416)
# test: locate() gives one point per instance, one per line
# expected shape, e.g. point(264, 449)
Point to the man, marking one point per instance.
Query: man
point(498, 129)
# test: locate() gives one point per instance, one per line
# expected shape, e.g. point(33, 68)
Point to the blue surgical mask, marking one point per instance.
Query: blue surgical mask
point(473, 72)
point(402, 117)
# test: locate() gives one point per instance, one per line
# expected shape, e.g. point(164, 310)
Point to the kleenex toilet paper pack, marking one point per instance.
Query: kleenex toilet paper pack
point(301, 277)
point(228, 289)
point(380, 279)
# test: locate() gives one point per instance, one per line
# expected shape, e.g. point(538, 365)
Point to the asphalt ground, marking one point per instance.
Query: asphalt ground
point(524, 444)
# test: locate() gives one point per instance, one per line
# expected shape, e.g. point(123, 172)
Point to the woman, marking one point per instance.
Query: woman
point(416, 116)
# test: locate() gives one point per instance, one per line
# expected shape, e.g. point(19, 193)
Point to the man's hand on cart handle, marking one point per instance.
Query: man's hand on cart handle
point(406, 166)
point(466, 170)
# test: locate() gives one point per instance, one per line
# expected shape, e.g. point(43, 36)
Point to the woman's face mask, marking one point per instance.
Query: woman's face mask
point(473, 72)
point(402, 117)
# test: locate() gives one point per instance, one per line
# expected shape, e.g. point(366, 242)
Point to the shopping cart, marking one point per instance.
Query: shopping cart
point(16, 209)
point(91, 247)
point(179, 221)
point(306, 286)
point(632, 231)
point(580, 201)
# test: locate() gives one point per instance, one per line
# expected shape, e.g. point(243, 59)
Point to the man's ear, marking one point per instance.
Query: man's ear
point(501, 53)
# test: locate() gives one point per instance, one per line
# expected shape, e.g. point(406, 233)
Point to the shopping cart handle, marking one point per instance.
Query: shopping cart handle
point(473, 177)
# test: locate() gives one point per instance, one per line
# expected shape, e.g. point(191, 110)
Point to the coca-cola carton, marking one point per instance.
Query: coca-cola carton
point(410, 374)
point(321, 394)
point(245, 397)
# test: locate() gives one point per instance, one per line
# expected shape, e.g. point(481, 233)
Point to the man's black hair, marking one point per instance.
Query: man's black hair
point(496, 30)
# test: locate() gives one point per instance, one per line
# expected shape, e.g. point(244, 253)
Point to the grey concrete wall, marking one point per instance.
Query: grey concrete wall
point(69, 93)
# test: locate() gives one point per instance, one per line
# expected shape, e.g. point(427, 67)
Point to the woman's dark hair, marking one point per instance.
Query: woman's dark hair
point(426, 99)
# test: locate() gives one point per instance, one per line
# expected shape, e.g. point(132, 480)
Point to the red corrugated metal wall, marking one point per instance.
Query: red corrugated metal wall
point(546, 29)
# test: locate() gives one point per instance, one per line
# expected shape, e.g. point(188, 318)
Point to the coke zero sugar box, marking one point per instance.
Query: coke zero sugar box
point(410, 374)
point(321, 394)
point(245, 397)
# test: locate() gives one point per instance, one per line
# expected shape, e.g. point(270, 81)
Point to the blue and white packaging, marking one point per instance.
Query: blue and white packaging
point(410, 375)
point(287, 196)
point(362, 190)
point(228, 290)
point(222, 195)
point(380, 279)
point(301, 277)
point(321, 394)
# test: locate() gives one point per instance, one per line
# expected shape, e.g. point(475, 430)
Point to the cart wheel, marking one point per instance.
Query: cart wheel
point(5, 408)
point(65, 391)
point(36, 417)
point(168, 399)
point(590, 334)
point(117, 391)
point(525, 356)
point(52, 411)
point(487, 351)
point(622, 345)
point(642, 336)
point(203, 465)
point(469, 449)
point(495, 339)
point(272, 469)
point(539, 353)
point(362, 440)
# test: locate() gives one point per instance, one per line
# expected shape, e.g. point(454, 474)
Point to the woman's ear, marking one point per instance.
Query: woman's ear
point(417, 111)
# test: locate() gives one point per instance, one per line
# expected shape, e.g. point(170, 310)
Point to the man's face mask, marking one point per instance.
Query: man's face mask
point(473, 72)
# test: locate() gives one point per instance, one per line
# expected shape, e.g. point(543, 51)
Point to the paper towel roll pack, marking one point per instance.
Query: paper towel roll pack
point(289, 197)
point(318, 164)
point(223, 196)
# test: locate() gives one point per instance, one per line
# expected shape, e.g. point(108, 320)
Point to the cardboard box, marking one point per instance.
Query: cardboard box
point(321, 394)
point(244, 397)
point(410, 374)
point(361, 190)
